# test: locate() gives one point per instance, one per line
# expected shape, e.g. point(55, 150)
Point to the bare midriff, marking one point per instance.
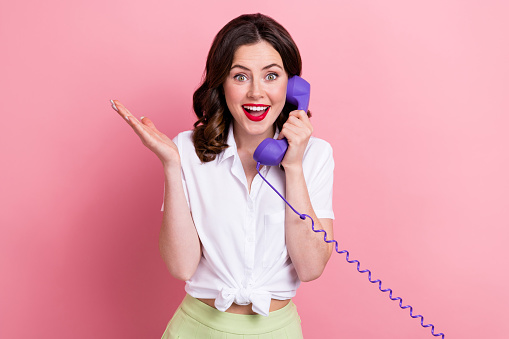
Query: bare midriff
point(247, 309)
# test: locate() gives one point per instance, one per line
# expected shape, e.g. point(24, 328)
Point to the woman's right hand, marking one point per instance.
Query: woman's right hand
point(157, 142)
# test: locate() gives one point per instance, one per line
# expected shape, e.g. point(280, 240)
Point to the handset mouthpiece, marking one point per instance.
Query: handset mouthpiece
point(270, 152)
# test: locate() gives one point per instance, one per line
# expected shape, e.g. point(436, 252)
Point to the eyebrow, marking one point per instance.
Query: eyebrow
point(264, 68)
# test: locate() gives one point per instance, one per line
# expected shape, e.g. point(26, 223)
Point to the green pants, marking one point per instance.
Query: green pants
point(196, 320)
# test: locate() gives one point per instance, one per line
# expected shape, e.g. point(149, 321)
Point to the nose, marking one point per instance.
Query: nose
point(255, 90)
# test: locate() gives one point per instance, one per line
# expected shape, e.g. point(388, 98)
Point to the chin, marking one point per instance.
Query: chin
point(256, 128)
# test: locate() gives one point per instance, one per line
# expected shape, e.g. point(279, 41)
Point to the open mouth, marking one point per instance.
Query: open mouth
point(256, 112)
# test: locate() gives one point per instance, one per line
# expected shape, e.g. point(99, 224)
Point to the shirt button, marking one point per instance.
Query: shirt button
point(250, 238)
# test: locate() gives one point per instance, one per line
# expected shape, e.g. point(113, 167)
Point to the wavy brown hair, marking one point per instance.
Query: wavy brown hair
point(211, 129)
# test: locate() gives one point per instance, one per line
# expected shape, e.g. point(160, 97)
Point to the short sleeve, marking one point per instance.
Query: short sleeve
point(177, 141)
point(319, 173)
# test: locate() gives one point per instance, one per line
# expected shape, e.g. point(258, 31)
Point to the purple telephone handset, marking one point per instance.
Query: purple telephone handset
point(270, 152)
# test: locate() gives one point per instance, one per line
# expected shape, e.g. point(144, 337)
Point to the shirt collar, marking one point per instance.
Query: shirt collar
point(232, 146)
point(232, 149)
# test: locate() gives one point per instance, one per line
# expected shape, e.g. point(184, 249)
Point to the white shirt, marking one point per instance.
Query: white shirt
point(245, 259)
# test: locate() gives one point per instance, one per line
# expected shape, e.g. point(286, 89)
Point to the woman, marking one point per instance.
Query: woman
point(241, 251)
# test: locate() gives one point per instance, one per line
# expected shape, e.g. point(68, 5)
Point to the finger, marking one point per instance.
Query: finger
point(121, 110)
point(299, 113)
point(293, 120)
point(302, 117)
point(147, 122)
point(114, 104)
point(292, 137)
point(131, 119)
point(281, 135)
point(138, 127)
point(145, 129)
point(302, 126)
point(291, 131)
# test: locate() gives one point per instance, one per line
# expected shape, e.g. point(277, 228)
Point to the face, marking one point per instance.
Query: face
point(255, 89)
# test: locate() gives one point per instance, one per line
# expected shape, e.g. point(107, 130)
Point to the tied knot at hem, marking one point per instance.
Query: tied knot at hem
point(244, 296)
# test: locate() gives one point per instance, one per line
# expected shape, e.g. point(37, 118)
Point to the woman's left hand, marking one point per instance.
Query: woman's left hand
point(297, 130)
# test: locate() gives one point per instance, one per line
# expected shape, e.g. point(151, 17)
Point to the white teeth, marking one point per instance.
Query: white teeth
point(255, 108)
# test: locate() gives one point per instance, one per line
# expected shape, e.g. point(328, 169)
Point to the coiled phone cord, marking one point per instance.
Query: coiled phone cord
point(303, 217)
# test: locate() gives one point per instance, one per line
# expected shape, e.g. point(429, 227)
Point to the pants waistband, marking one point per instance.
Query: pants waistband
point(238, 323)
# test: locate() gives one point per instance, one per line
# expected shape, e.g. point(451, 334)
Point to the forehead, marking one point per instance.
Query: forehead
point(257, 55)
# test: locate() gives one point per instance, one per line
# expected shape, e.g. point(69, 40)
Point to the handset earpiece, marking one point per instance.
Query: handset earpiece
point(298, 92)
point(271, 152)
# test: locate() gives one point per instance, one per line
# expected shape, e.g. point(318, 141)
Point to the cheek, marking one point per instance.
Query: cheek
point(230, 95)
point(227, 92)
point(280, 96)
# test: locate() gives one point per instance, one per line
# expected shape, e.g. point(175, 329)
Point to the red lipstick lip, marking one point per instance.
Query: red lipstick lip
point(256, 105)
point(252, 117)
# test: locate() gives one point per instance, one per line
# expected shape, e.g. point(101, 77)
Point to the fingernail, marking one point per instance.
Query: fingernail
point(142, 118)
point(114, 107)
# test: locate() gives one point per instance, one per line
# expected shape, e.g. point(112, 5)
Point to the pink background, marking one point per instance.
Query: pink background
point(412, 95)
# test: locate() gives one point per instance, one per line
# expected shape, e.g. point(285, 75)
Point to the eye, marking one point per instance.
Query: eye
point(271, 76)
point(240, 77)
